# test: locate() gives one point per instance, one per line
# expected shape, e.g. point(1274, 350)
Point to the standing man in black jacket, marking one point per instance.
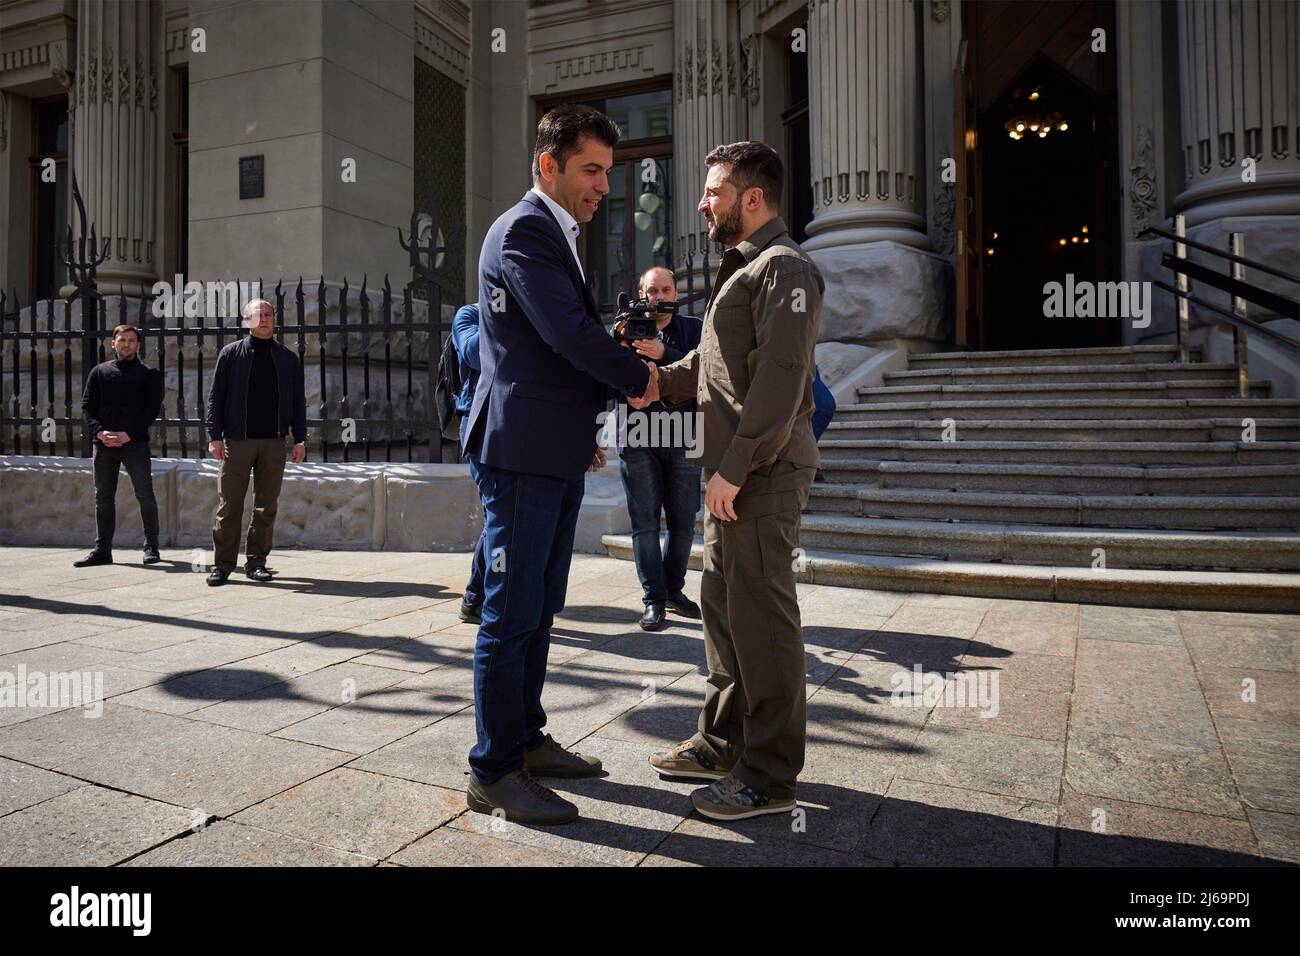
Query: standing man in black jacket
point(257, 397)
point(663, 476)
point(121, 400)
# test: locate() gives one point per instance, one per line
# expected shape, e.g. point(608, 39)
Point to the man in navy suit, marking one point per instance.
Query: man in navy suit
point(547, 365)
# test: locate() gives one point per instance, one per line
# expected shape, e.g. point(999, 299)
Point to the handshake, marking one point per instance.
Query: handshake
point(651, 393)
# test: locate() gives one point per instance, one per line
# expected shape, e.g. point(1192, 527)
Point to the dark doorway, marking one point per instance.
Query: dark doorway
point(1036, 64)
point(1047, 208)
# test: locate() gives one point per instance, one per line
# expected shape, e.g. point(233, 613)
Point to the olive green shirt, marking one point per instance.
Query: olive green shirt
point(752, 374)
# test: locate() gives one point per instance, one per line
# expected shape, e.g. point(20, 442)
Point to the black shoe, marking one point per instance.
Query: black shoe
point(680, 604)
point(259, 574)
point(151, 555)
point(218, 577)
point(552, 760)
point(93, 559)
point(471, 613)
point(653, 618)
point(520, 799)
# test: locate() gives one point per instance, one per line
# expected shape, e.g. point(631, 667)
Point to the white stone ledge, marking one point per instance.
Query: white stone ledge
point(48, 500)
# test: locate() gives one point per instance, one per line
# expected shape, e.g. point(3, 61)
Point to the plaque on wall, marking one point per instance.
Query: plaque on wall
point(251, 179)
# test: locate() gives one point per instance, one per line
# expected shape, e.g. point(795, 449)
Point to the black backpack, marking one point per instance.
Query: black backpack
point(446, 391)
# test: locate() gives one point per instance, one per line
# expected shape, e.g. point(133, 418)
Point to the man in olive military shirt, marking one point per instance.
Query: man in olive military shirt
point(751, 377)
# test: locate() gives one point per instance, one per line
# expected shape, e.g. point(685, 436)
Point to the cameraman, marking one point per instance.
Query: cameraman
point(662, 479)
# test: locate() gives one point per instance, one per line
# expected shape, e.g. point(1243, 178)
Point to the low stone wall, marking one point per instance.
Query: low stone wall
point(47, 500)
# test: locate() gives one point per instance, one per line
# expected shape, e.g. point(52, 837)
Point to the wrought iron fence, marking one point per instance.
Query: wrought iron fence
point(369, 361)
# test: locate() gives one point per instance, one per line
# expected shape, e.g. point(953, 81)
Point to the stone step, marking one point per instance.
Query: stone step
point(1054, 544)
point(1065, 452)
point(1107, 355)
point(1046, 429)
point(1128, 372)
point(1072, 408)
point(1068, 479)
point(1207, 512)
point(1035, 392)
point(1186, 590)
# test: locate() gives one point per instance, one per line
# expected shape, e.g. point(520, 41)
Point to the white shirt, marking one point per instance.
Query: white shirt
point(568, 226)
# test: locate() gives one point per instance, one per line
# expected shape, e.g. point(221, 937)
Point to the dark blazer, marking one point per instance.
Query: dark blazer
point(546, 359)
point(122, 397)
point(228, 396)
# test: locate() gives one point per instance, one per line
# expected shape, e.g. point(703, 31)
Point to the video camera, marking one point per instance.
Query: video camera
point(638, 317)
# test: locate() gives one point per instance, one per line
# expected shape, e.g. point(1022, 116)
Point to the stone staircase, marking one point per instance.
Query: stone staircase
point(1104, 475)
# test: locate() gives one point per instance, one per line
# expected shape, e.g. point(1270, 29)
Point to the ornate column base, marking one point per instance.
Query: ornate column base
point(884, 292)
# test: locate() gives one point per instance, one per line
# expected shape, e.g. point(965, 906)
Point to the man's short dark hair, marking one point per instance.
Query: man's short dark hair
point(562, 128)
point(752, 164)
point(127, 328)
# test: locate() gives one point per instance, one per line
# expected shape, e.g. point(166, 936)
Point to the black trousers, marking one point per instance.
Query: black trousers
point(137, 460)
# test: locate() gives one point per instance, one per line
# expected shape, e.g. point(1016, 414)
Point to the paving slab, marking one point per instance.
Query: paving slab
point(368, 814)
point(1265, 761)
point(386, 713)
point(698, 842)
point(22, 785)
point(1102, 831)
point(437, 754)
point(274, 706)
point(227, 843)
point(449, 846)
point(923, 824)
point(184, 762)
point(88, 826)
point(1161, 773)
point(981, 760)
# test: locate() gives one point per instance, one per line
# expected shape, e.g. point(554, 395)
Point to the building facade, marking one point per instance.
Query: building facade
point(225, 140)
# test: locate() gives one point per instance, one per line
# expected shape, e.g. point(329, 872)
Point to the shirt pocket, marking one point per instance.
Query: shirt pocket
point(734, 329)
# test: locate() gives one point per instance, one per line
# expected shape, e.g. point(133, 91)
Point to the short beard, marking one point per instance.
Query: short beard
point(728, 227)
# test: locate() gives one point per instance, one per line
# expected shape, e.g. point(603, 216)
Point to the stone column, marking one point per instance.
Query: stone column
point(708, 109)
point(868, 231)
point(1237, 64)
point(113, 116)
point(1237, 71)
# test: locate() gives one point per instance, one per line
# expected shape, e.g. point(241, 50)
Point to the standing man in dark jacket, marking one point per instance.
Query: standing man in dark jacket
point(547, 364)
point(122, 399)
point(660, 476)
point(257, 397)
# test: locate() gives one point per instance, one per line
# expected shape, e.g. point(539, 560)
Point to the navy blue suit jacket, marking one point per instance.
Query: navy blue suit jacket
point(546, 359)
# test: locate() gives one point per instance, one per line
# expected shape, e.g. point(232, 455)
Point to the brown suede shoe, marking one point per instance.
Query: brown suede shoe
point(552, 760)
point(520, 799)
point(687, 760)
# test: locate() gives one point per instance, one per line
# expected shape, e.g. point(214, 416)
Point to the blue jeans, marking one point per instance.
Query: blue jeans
point(473, 589)
point(655, 479)
point(528, 527)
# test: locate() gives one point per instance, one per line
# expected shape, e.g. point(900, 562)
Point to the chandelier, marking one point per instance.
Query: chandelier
point(1035, 124)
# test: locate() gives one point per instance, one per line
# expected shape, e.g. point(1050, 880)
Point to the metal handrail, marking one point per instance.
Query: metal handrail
point(1165, 234)
point(1234, 283)
point(1287, 308)
point(1228, 318)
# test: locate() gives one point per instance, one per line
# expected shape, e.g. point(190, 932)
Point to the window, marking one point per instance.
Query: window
point(440, 173)
point(181, 157)
point(50, 198)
